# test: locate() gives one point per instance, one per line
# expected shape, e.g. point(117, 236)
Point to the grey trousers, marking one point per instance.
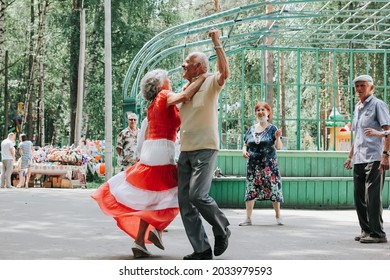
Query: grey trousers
point(195, 171)
point(368, 186)
point(6, 172)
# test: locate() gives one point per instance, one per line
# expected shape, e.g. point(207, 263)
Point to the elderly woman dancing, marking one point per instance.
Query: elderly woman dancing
point(143, 198)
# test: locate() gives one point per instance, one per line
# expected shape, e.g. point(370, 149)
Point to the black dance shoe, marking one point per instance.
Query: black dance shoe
point(205, 255)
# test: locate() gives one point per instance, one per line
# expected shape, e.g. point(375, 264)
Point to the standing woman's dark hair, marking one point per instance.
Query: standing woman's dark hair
point(23, 137)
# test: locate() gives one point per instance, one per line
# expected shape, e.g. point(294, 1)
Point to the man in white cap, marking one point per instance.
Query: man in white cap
point(370, 158)
point(126, 146)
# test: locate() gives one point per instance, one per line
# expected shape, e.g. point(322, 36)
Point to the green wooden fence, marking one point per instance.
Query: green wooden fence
point(315, 180)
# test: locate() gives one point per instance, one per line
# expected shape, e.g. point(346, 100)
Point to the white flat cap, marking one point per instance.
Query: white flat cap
point(364, 78)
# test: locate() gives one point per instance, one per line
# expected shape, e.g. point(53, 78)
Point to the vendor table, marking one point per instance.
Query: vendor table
point(51, 170)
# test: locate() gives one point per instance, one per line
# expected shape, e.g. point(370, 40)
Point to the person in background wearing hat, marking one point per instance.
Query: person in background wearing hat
point(126, 146)
point(369, 157)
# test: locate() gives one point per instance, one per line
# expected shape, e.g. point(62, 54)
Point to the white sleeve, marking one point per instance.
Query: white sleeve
point(141, 136)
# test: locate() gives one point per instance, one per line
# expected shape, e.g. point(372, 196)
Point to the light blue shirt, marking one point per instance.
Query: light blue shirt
point(372, 113)
point(26, 147)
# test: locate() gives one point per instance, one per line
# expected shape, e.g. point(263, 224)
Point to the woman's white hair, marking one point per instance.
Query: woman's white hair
point(152, 83)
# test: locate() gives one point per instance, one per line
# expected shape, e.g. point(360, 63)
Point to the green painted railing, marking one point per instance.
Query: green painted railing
point(315, 180)
point(291, 163)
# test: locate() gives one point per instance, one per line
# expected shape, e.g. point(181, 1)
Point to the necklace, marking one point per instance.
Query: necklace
point(258, 135)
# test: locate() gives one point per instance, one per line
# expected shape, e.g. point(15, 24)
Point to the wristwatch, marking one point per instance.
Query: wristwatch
point(386, 153)
point(385, 133)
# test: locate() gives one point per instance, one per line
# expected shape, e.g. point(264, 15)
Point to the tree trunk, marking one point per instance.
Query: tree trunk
point(60, 108)
point(80, 84)
point(2, 9)
point(216, 6)
point(330, 81)
point(74, 58)
point(30, 81)
point(282, 95)
point(91, 63)
point(41, 32)
point(28, 118)
point(43, 4)
point(108, 88)
point(41, 105)
point(58, 122)
point(269, 64)
point(32, 20)
point(340, 95)
point(6, 95)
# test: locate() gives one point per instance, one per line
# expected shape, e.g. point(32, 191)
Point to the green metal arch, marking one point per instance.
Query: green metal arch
point(306, 37)
point(344, 33)
point(146, 55)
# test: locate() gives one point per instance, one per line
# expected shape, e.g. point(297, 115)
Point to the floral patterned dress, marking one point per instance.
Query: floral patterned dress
point(263, 181)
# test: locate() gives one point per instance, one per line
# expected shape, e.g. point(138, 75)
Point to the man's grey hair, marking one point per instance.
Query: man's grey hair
point(132, 115)
point(201, 58)
point(152, 83)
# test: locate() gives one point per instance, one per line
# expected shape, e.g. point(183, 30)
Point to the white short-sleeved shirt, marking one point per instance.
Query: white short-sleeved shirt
point(6, 146)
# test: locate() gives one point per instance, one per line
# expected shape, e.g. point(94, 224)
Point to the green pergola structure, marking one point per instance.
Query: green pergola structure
point(300, 56)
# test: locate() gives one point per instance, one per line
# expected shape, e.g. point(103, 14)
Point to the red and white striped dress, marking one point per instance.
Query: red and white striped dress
point(148, 189)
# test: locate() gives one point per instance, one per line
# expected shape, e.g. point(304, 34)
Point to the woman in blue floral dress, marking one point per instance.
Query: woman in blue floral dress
point(263, 177)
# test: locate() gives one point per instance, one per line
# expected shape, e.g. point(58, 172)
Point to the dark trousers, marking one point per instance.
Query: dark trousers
point(368, 186)
point(195, 170)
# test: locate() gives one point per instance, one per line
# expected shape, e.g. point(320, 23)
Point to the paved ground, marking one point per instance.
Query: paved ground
point(66, 224)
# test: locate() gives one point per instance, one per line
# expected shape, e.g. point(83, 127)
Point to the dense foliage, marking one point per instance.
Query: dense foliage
point(133, 23)
point(41, 41)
